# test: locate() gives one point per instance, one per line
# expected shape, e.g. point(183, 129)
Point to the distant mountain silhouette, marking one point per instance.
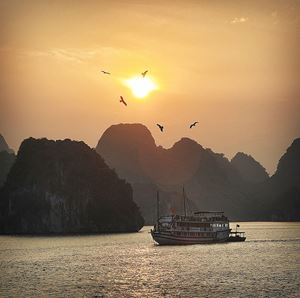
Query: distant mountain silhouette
point(129, 149)
point(280, 195)
point(7, 158)
point(287, 174)
point(4, 146)
point(6, 162)
point(65, 187)
point(249, 169)
point(211, 181)
point(126, 148)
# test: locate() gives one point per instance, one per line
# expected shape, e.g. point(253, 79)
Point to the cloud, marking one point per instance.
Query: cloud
point(239, 20)
point(77, 55)
point(72, 55)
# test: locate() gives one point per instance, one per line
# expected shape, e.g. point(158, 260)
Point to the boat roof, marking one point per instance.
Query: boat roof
point(199, 212)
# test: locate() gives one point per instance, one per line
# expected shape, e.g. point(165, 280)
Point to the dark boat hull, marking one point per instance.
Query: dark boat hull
point(166, 239)
point(236, 239)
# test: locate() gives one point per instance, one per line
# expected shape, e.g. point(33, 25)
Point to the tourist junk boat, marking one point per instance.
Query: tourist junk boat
point(199, 228)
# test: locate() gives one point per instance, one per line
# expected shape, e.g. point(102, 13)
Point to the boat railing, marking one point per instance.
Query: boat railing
point(237, 234)
point(199, 219)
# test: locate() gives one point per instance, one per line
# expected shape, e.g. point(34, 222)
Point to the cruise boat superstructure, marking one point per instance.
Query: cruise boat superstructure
point(201, 227)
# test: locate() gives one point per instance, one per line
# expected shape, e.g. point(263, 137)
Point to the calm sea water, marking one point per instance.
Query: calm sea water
point(130, 265)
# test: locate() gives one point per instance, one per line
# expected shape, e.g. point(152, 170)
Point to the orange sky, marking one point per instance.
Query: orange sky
point(232, 66)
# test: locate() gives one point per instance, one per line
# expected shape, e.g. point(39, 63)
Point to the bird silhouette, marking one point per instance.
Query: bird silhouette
point(123, 101)
point(160, 127)
point(144, 73)
point(105, 72)
point(194, 124)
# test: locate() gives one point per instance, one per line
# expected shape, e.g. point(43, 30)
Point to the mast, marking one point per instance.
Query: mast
point(184, 207)
point(157, 205)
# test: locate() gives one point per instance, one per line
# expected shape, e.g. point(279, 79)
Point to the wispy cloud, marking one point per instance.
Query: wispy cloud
point(77, 55)
point(239, 20)
point(69, 54)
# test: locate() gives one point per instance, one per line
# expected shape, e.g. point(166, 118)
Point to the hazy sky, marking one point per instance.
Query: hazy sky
point(231, 65)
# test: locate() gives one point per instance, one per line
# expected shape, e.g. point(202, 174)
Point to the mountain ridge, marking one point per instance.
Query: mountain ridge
point(4, 146)
point(210, 178)
point(64, 186)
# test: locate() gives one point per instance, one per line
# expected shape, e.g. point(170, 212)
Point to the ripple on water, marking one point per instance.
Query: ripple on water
point(130, 265)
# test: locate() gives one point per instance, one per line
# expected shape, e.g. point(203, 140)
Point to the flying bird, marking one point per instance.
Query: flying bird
point(144, 73)
point(160, 127)
point(123, 101)
point(194, 124)
point(105, 72)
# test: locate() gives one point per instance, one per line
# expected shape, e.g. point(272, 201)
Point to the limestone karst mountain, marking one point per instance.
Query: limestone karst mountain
point(65, 187)
point(280, 195)
point(240, 187)
point(7, 158)
point(210, 179)
point(6, 162)
point(250, 170)
point(287, 174)
point(4, 146)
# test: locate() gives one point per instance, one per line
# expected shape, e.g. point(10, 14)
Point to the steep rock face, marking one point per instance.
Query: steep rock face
point(128, 148)
point(7, 158)
point(178, 164)
point(210, 179)
point(287, 174)
point(240, 187)
point(281, 193)
point(4, 146)
point(131, 150)
point(278, 198)
point(6, 162)
point(249, 169)
point(65, 187)
point(218, 186)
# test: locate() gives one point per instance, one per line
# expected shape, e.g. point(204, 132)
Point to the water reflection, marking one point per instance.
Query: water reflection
point(130, 265)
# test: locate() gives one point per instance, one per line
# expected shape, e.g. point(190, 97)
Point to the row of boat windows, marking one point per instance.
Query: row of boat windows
point(220, 225)
point(201, 219)
point(202, 225)
point(194, 234)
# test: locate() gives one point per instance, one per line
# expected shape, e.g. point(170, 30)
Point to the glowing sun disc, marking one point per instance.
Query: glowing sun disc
point(140, 87)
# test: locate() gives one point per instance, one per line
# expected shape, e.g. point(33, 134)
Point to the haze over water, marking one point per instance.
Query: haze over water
point(130, 265)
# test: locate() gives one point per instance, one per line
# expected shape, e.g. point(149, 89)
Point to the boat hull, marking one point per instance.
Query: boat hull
point(236, 239)
point(166, 239)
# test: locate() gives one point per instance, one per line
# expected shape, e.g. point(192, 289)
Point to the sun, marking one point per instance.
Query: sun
point(140, 86)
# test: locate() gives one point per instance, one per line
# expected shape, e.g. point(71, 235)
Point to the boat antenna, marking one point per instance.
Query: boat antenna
point(157, 205)
point(184, 207)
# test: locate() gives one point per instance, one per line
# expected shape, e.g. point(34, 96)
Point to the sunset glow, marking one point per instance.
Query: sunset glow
point(140, 87)
point(232, 67)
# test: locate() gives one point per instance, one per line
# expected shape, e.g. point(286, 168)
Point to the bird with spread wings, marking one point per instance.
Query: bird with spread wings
point(160, 127)
point(193, 124)
point(144, 73)
point(123, 101)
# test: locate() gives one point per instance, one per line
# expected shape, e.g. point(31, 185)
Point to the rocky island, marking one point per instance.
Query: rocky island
point(65, 187)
